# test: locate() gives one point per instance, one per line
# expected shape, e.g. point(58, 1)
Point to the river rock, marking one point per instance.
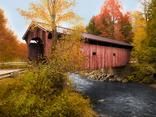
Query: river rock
point(124, 81)
point(118, 80)
point(102, 75)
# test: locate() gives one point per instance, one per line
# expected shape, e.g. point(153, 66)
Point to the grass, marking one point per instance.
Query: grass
point(6, 81)
point(4, 84)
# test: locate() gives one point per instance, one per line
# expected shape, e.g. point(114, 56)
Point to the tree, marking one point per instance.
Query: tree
point(10, 48)
point(22, 51)
point(68, 56)
point(91, 28)
point(126, 28)
point(144, 50)
point(51, 13)
point(144, 33)
point(107, 19)
point(140, 40)
point(112, 22)
point(146, 4)
point(151, 29)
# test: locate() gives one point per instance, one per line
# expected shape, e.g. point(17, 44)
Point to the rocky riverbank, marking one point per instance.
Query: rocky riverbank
point(103, 75)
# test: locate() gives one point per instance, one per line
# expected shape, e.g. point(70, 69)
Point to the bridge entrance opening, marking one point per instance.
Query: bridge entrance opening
point(36, 49)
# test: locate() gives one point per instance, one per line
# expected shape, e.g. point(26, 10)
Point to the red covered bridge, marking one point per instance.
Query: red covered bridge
point(101, 52)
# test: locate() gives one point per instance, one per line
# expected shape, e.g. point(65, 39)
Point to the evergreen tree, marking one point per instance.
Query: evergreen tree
point(91, 28)
point(126, 28)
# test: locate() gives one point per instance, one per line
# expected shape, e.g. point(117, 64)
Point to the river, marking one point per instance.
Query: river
point(117, 99)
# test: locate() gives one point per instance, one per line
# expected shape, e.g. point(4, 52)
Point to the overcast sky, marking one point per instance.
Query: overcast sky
point(85, 8)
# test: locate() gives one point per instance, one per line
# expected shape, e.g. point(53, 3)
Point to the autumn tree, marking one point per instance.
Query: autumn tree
point(146, 4)
point(112, 22)
point(22, 51)
point(51, 13)
point(10, 48)
point(151, 29)
point(143, 26)
point(144, 50)
point(110, 14)
point(140, 40)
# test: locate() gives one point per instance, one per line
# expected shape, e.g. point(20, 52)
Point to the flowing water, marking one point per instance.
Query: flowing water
point(117, 99)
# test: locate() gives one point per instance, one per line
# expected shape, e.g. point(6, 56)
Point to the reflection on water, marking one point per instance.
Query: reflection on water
point(118, 100)
point(79, 83)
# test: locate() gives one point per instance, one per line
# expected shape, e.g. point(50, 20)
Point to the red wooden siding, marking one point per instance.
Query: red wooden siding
point(105, 57)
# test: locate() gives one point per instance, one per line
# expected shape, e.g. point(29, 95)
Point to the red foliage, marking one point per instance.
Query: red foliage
point(112, 21)
point(113, 9)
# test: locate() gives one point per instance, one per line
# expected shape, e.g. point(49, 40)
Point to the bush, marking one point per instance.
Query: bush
point(45, 91)
point(42, 93)
point(141, 73)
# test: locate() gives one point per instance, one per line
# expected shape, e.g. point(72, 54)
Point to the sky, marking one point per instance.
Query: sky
point(85, 8)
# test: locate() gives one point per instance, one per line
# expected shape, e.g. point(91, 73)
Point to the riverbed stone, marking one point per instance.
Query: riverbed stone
point(124, 81)
point(103, 75)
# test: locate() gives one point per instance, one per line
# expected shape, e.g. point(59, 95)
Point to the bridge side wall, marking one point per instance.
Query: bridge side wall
point(105, 57)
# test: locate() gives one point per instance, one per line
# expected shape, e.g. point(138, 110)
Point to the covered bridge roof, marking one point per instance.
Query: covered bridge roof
point(88, 37)
point(105, 40)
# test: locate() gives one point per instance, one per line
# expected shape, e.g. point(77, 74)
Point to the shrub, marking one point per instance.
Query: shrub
point(43, 93)
point(141, 73)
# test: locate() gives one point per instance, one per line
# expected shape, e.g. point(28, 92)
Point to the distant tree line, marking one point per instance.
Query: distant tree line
point(10, 48)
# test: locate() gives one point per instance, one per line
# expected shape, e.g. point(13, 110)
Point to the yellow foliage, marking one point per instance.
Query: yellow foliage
point(67, 55)
point(42, 93)
point(140, 39)
point(51, 13)
point(139, 27)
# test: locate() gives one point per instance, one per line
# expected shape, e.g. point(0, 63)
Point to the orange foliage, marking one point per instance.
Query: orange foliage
point(112, 22)
point(10, 48)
